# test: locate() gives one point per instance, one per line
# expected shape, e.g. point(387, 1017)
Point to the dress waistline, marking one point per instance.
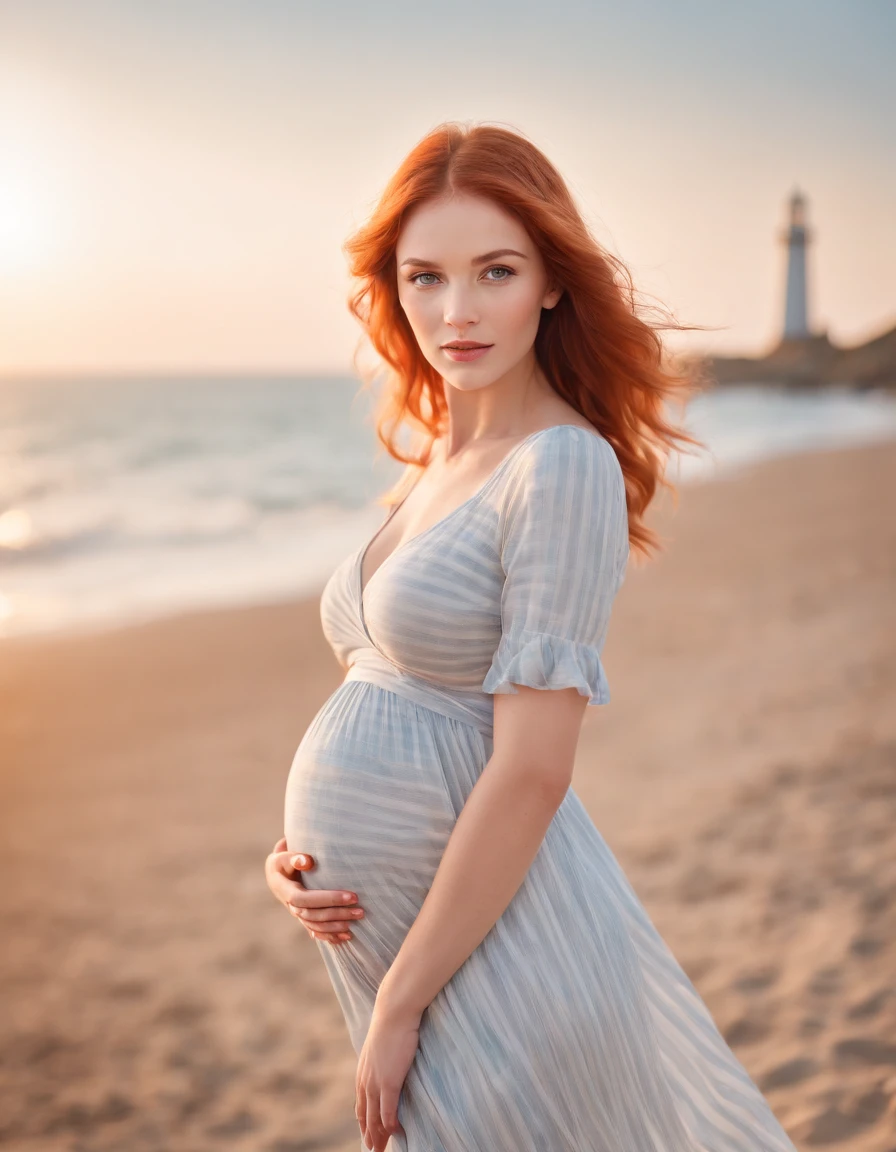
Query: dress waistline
point(475, 708)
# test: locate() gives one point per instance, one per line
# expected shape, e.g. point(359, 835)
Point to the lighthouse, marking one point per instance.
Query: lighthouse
point(805, 357)
point(796, 237)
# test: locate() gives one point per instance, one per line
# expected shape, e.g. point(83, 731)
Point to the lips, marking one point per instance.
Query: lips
point(465, 345)
point(462, 354)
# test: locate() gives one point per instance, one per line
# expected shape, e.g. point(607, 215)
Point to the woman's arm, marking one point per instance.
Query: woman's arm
point(492, 846)
point(564, 541)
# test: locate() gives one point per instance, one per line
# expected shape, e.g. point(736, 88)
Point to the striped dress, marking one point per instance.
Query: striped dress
point(571, 1028)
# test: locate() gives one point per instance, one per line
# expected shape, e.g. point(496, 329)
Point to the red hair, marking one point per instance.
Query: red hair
point(595, 350)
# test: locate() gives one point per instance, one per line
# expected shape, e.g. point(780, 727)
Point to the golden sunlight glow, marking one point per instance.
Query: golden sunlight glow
point(16, 529)
point(24, 233)
point(31, 141)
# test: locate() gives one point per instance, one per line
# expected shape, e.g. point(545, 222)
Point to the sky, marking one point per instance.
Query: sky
point(177, 178)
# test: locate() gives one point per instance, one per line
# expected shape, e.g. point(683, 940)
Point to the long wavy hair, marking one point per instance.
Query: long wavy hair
point(595, 346)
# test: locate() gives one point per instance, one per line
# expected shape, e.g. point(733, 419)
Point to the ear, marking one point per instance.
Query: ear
point(552, 297)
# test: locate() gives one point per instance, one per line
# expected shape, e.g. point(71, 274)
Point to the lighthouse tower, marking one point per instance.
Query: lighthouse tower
point(796, 237)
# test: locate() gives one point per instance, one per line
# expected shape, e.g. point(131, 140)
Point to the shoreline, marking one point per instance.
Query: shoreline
point(744, 774)
point(188, 613)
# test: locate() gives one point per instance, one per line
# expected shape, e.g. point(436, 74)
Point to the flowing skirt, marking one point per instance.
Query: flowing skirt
point(572, 1027)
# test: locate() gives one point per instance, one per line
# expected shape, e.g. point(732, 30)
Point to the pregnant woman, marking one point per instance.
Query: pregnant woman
point(502, 985)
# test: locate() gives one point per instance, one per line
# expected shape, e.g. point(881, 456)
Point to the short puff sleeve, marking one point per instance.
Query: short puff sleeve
point(564, 551)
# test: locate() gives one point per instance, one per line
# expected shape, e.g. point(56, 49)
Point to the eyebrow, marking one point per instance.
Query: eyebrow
point(476, 259)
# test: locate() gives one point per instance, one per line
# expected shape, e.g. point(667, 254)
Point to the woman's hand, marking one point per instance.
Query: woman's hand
point(327, 915)
point(383, 1065)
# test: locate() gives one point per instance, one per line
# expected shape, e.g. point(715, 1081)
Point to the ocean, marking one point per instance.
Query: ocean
point(122, 499)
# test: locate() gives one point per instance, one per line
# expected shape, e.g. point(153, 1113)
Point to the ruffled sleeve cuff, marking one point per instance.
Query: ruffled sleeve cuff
point(540, 661)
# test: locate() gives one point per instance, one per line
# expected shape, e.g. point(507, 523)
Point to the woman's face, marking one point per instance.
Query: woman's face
point(468, 271)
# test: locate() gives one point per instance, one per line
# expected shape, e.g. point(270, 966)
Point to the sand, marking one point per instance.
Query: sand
point(153, 995)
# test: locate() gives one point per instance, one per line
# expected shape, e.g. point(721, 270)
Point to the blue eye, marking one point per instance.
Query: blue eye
point(494, 268)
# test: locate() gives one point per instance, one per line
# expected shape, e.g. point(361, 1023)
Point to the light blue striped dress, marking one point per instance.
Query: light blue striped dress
point(571, 1028)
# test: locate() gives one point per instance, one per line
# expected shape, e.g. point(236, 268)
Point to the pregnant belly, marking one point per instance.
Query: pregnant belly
point(367, 798)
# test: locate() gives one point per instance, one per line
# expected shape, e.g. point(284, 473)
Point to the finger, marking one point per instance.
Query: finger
point(301, 897)
point(291, 862)
point(326, 916)
point(374, 1123)
point(328, 926)
point(280, 846)
point(334, 938)
point(325, 936)
point(328, 938)
point(361, 1111)
point(389, 1111)
point(333, 919)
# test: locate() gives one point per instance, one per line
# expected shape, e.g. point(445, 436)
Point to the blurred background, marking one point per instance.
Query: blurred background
point(186, 454)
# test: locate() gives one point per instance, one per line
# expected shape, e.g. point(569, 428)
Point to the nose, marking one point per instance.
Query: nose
point(460, 311)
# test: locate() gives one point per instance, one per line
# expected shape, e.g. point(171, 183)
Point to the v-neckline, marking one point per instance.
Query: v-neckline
point(363, 550)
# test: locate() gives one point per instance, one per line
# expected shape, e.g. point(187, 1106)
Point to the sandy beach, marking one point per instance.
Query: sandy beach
point(155, 998)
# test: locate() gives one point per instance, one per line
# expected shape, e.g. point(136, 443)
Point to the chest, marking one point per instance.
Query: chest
point(432, 607)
